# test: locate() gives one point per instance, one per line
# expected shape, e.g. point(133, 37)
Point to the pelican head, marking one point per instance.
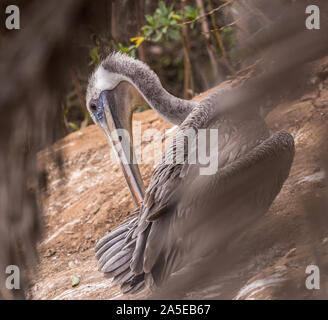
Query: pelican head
point(111, 101)
point(110, 107)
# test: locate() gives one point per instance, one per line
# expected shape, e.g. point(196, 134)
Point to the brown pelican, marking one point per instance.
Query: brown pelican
point(252, 165)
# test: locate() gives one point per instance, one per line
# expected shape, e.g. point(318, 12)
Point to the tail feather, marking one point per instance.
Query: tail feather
point(111, 235)
point(137, 258)
point(117, 260)
point(131, 244)
point(137, 288)
point(118, 271)
point(121, 269)
point(109, 244)
point(133, 285)
point(124, 276)
point(129, 235)
point(115, 253)
point(110, 253)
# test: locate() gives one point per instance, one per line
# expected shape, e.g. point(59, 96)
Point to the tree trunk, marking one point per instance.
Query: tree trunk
point(188, 79)
point(220, 41)
point(114, 21)
point(209, 46)
point(139, 6)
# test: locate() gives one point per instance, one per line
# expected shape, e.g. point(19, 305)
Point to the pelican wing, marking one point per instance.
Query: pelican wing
point(210, 208)
point(170, 172)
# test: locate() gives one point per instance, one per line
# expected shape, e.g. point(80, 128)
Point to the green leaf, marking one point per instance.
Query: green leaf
point(149, 19)
point(157, 37)
point(227, 30)
point(141, 109)
point(75, 281)
point(191, 12)
point(73, 126)
point(147, 30)
point(161, 21)
point(94, 56)
point(162, 7)
point(94, 52)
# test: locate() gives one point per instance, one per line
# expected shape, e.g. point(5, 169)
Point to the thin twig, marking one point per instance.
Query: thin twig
point(206, 14)
point(220, 41)
point(209, 45)
point(221, 28)
point(188, 77)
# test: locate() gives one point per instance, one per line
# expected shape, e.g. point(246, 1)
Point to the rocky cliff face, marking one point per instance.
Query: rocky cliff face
point(89, 197)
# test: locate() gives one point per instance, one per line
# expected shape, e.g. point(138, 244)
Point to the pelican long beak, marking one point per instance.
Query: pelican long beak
point(117, 129)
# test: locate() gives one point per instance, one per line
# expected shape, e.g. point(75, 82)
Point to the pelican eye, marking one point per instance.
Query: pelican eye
point(93, 107)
